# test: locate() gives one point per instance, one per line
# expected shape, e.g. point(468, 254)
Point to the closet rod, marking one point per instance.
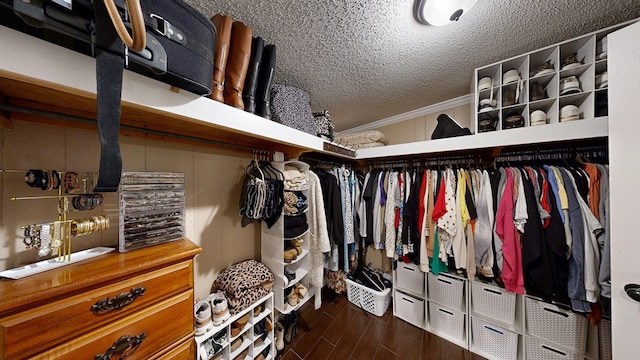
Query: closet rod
point(44, 113)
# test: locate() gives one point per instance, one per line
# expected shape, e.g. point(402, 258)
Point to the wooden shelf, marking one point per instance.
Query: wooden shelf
point(42, 77)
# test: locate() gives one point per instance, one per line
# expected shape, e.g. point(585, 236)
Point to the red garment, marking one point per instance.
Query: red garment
point(440, 207)
point(512, 266)
point(544, 197)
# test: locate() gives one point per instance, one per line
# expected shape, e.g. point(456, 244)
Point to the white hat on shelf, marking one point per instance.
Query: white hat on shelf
point(485, 83)
point(538, 117)
point(569, 113)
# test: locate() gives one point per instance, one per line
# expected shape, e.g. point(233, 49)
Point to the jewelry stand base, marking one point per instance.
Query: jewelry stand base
point(40, 266)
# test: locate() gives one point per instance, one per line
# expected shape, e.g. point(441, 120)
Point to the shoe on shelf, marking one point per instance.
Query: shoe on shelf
point(292, 322)
point(238, 325)
point(268, 324)
point(297, 244)
point(258, 309)
point(290, 254)
point(293, 299)
point(242, 355)
point(220, 338)
point(202, 317)
point(289, 275)
point(235, 344)
point(301, 290)
point(220, 311)
point(279, 333)
point(264, 353)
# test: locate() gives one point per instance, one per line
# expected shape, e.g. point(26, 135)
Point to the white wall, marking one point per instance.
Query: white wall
point(213, 179)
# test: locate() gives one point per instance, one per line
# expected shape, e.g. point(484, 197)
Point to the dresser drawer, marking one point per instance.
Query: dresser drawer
point(163, 324)
point(185, 350)
point(30, 332)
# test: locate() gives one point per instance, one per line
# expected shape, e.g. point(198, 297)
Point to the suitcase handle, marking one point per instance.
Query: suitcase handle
point(138, 38)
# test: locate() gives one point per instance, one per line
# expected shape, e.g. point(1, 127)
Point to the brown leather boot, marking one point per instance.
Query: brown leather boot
point(221, 52)
point(237, 64)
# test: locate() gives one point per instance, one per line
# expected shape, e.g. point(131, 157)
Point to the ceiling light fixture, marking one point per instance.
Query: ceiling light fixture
point(441, 12)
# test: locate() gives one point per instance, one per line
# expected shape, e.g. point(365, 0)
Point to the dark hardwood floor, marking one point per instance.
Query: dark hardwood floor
point(341, 330)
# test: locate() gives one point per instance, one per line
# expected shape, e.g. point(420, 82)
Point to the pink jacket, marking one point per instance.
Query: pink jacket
point(511, 250)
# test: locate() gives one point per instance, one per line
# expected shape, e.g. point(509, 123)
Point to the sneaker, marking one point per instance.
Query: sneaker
point(289, 275)
point(202, 317)
point(220, 311)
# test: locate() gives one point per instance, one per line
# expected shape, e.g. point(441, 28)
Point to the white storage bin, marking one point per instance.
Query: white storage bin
point(493, 302)
point(375, 302)
point(410, 278)
point(604, 335)
point(493, 340)
point(447, 321)
point(446, 290)
point(409, 308)
point(556, 325)
point(537, 349)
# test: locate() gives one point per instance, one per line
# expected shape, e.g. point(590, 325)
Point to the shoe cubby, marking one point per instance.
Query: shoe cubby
point(548, 79)
point(224, 342)
point(277, 249)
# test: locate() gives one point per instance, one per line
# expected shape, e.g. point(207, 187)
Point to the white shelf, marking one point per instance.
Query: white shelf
point(35, 70)
point(574, 130)
point(250, 337)
point(286, 308)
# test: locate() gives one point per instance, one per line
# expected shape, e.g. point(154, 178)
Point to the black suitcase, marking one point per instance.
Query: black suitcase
point(179, 47)
point(178, 51)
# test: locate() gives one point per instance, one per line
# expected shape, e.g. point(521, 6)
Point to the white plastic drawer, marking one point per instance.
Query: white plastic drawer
point(410, 278)
point(409, 308)
point(537, 349)
point(493, 340)
point(556, 325)
point(493, 302)
point(446, 290)
point(447, 321)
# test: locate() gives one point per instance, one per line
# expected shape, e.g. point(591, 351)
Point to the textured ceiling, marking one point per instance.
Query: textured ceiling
point(366, 60)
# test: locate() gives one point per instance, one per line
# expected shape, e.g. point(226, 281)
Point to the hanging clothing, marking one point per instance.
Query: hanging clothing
point(319, 243)
point(505, 228)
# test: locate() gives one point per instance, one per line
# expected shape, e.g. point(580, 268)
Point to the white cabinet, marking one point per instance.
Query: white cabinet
point(548, 81)
point(274, 244)
point(246, 341)
point(446, 307)
point(409, 297)
point(497, 321)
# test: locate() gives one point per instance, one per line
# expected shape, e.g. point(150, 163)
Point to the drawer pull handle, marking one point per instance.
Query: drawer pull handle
point(445, 281)
point(408, 268)
point(492, 291)
point(554, 350)
point(555, 312)
point(117, 302)
point(122, 348)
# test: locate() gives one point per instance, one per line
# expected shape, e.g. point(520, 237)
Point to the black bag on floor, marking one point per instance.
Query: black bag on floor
point(173, 43)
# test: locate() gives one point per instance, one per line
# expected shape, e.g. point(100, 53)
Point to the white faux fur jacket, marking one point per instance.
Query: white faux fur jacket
point(318, 236)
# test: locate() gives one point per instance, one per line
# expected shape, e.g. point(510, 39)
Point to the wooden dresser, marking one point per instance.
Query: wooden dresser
point(138, 303)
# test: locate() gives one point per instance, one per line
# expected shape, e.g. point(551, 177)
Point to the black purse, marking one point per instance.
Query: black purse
point(448, 127)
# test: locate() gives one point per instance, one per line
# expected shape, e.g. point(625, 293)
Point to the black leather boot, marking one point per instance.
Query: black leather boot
point(267, 70)
point(251, 81)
